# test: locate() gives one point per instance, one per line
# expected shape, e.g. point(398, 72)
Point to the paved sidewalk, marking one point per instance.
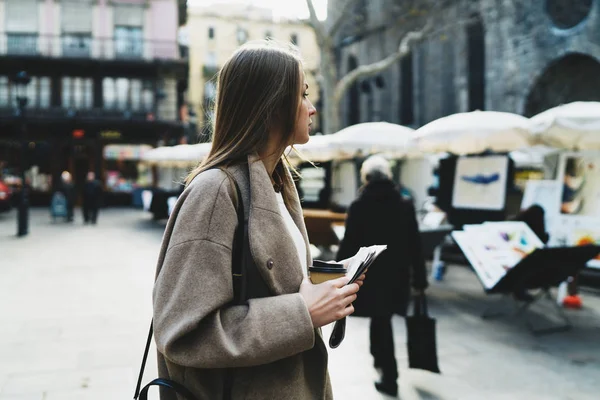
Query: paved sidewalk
point(75, 308)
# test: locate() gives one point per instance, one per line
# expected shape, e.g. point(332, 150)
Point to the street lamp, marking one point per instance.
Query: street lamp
point(20, 84)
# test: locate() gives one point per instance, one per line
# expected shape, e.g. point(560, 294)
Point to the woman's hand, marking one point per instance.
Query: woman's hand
point(329, 301)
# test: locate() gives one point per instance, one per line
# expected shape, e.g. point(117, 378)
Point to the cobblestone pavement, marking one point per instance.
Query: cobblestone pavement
point(75, 308)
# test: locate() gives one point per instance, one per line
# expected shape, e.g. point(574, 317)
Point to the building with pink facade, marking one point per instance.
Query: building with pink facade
point(103, 73)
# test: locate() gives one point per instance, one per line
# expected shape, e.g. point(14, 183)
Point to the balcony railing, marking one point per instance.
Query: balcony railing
point(63, 113)
point(86, 46)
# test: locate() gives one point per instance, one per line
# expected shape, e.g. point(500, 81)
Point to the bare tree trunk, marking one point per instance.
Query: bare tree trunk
point(334, 90)
point(331, 109)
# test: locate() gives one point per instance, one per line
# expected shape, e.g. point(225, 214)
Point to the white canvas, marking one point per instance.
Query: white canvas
point(480, 183)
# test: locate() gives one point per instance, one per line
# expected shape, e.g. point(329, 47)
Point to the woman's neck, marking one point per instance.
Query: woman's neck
point(271, 156)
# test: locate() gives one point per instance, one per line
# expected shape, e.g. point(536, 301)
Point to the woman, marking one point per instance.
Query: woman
point(381, 216)
point(269, 348)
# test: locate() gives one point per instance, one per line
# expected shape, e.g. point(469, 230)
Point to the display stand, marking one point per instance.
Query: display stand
point(543, 269)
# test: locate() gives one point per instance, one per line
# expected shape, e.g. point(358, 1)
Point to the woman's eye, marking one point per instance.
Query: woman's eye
point(305, 94)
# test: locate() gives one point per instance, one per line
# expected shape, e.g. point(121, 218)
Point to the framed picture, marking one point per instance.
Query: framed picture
point(480, 183)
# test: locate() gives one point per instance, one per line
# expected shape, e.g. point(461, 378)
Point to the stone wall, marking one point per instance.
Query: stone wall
point(522, 40)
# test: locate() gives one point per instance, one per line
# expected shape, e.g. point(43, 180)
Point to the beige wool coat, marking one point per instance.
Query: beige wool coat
point(269, 345)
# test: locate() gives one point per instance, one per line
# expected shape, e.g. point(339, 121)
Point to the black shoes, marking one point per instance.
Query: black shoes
point(389, 388)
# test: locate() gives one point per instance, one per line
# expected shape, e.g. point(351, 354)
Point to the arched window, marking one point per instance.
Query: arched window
point(476, 63)
point(573, 77)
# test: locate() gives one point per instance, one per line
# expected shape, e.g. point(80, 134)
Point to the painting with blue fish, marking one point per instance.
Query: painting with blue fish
point(481, 179)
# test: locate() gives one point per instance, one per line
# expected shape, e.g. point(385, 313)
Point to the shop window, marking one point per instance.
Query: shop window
point(5, 100)
point(148, 95)
point(124, 172)
point(21, 26)
point(129, 42)
point(44, 92)
point(77, 92)
point(22, 43)
point(128, 94)
point(122, 93)
point(135, 92)
point(76, 27)
point(109, 95)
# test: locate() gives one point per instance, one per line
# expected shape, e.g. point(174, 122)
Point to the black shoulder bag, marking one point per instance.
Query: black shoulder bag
point(238, 271)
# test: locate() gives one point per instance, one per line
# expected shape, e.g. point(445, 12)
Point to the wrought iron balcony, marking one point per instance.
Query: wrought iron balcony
point(86, 46)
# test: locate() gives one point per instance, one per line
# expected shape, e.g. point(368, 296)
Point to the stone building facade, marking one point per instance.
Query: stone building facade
point(519, 56)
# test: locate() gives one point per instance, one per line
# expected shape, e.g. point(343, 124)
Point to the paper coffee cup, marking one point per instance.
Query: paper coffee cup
point(321, 272)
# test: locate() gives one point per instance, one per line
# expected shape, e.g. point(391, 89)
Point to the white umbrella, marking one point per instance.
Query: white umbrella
point(183, 155)
point(474, 132)
point(358, 141)
point(573, 126)
point(370, 138)
point(319, 148)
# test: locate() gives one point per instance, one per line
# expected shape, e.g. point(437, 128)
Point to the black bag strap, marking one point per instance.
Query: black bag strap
point(169, 384)
point(420, 305)
point(239, 296)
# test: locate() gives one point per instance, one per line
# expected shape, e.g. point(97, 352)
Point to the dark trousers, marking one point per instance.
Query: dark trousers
point(69, 211)
point(382, 347)
point(90, 213)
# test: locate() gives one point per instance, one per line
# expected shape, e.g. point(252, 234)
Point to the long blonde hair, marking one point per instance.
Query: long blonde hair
point(259, 88)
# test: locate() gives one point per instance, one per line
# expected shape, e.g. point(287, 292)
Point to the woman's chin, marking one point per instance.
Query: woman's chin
point(302, 139)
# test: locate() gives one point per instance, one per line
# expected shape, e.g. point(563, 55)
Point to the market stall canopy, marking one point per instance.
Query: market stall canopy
point(359, 140)
point(473, 132)
point(572, 126)
point(181, 156)
point(319, 148)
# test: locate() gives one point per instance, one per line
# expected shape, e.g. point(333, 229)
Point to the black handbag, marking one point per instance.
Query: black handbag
point(241, 260)
point(421, 341)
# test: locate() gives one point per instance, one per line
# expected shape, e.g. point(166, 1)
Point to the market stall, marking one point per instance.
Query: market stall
point(574, 186)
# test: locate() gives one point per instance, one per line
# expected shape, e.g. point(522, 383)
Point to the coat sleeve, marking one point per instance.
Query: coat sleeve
point(194, 322)
point(419, 272)
point(352, 236)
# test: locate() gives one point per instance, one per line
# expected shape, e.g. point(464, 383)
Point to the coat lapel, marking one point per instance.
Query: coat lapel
point(272, 247)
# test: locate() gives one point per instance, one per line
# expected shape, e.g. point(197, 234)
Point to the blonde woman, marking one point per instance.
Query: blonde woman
point(269, 347)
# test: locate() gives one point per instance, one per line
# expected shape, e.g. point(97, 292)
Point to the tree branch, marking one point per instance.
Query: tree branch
point(372, 69)
point(346, 12)
point(317, 25)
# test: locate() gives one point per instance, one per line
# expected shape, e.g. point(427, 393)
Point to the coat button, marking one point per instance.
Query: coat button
point(270, 263)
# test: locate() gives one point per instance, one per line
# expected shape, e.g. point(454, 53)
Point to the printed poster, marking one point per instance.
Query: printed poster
point(480, 183)
point(579, 214)
point(493, 248)
point(580, 178)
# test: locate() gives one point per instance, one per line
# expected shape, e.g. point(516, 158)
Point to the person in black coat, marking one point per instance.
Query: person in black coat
point(92, 194)
point(382, 216)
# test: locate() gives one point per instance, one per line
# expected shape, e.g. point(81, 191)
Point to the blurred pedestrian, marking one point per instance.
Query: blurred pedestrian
point(270, 347)
point(68, 190)
point(381, 215)
point(92, 196)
